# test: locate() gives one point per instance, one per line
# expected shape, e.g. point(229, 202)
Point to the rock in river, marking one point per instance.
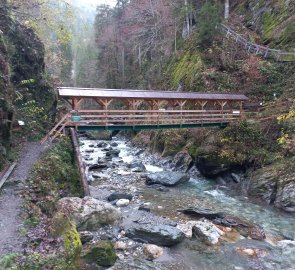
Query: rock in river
point(167, 178)
point(88, 213)
point(200, 213)
point(114, 144)
point(113, 153)
point(244, 227)
point(152, 252)
point(117, 196)
point(137, 166)
point(122, 202)
point(162, 235)
point(207, 232)
point(102, 144)
point(99, 166)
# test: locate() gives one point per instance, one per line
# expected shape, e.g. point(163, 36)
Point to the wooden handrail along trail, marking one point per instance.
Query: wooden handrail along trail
point(266, 52)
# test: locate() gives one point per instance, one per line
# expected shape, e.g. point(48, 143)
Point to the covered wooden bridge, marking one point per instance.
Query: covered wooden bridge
point(121, 109)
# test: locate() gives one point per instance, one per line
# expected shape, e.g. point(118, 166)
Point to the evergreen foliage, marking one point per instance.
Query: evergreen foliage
point(209, 19)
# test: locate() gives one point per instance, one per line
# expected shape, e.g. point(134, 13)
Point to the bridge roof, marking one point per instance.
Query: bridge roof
point(68, 92)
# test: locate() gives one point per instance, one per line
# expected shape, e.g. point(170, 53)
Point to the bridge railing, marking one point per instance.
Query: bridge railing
point(150, 117)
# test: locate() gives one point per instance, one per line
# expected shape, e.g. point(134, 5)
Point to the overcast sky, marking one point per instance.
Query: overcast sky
point(97, 2)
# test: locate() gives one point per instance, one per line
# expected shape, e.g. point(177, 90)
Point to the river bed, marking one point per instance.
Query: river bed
point(277, 251)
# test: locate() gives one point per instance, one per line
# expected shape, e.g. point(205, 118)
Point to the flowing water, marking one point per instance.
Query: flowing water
point(273, 253)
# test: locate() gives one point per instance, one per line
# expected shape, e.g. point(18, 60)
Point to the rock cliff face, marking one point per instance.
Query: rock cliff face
point(6, 90)
point(22, 72)
point(275, 184)
point(274, 20)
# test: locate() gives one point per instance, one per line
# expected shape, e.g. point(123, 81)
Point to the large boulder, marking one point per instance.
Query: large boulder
point(182, 161)
point(263, 184)
point(101, 253)
point(207, 232)
point(275, 184)
point(88, 213)
point(162, 235)
point(63, 228)
point(285, 197)
point(166, 178)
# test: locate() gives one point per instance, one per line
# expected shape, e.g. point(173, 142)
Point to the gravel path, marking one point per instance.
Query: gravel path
point(11, 203)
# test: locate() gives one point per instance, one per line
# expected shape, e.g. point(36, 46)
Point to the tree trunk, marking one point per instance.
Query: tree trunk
point(226, 9)
point(187, 18)
point(123, 66)
point(139, 56)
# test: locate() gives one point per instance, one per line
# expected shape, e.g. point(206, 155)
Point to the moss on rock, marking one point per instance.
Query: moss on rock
point(101, 253)
point(64, 228)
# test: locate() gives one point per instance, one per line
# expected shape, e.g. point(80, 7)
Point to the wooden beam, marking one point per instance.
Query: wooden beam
point(202, 103)
point(181, 103)
point(78, 156)
point(7, 174)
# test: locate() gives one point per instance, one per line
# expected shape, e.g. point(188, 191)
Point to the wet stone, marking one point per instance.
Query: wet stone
point(114, 153)
point(122, 202)
point(152, 252)
point(167, 178)
point(159, 188)
point(200, 213)
point(102, 144)
point(207, 232)
point(117, 196)
point(163, 235)
point(139, 152)
point(137, 166)
point(236, 178)
point(144, 208)
point(120, 245)
point(85, 236)
point(97, 166)
point(114, 144)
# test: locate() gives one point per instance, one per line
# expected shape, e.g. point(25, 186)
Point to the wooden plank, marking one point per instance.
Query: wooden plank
point(145, 116)
point(83, 178)
point(152, 120)
point(7, 174)
point(148, 111)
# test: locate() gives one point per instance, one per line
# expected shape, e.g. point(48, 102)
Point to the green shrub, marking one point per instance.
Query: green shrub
point(244, 143)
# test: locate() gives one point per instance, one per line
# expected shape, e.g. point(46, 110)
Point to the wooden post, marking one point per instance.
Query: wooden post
point(78, 156)
point(181, 104)
point(105, 102)
point(241, 110)
point(222, 104)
